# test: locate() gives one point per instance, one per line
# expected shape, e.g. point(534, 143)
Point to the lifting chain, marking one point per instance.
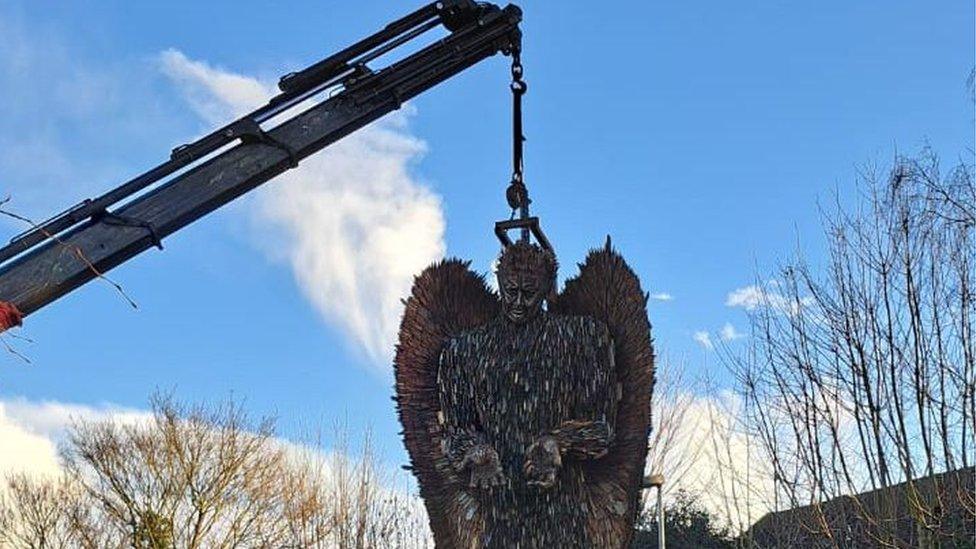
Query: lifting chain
point(517, 194)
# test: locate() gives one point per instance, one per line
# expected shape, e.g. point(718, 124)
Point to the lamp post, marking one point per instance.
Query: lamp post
point(657, 480)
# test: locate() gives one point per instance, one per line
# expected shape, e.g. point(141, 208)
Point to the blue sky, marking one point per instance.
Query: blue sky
point(701, 136)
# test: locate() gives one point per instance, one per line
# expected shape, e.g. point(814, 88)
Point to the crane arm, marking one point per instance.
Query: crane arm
point(52, 259)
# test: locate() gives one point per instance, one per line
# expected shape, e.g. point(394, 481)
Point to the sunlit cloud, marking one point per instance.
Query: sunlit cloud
point(353, 221)
point(755, 296)
point(729, 333)
point(704, 339)
point(31, 431)
point(704, 451)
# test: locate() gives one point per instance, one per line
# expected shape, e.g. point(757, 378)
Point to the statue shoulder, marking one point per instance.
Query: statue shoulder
point(459, 350)
point(466, 340)
point(582, 326)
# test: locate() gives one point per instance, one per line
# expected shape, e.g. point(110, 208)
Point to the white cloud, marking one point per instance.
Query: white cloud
point(662, 296)
point(24, 451)
point(353, 222)
point(710, 456)
point(729, 333)
point(726, 333)
point(753, 297)
point(216, 95)
point(704, 339)
point(749, 297)
point(31, 431)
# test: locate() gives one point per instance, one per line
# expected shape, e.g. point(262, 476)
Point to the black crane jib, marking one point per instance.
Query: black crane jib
point(53, 258)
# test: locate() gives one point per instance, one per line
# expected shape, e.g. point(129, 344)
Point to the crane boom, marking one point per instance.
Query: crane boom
point(71, 249)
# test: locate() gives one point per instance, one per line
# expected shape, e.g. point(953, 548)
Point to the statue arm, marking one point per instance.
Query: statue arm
point(464, 445)
point(457, 415)
point(590, 433)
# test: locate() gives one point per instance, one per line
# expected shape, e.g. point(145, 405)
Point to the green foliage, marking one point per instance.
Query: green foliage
point(687, 525)
point(154, 531)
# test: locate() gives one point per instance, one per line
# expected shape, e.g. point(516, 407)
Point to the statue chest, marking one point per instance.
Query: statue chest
point(528, 383)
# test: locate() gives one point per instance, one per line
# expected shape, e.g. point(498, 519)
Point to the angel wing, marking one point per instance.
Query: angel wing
point(607, 289)
point(447, 298)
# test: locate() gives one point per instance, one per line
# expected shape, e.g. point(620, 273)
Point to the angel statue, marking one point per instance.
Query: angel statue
point(526, 413)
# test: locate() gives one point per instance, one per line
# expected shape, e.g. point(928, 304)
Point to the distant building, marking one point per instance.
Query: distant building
point(932, 512)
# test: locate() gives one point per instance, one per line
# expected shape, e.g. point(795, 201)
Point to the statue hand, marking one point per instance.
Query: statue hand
point(543, 460)
point(486, 468)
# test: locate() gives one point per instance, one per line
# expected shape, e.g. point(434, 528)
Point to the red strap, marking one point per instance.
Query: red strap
point(10, 316)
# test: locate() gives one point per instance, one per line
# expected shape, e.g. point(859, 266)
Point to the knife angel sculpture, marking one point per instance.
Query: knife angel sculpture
point(526, 413)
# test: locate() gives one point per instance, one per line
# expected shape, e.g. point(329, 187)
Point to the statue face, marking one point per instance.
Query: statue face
point(522, 296)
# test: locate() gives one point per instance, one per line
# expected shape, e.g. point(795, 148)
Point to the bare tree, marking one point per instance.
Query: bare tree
point(672, 451)
point(207, 477)
point(192, 477)
point(347, 500)
point(36, 513)
point(861, 380)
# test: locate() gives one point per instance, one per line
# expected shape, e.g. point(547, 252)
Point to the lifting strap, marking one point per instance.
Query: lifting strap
point(517, 193)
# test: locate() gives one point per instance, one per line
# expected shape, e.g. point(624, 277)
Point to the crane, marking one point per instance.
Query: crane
point(53, 258)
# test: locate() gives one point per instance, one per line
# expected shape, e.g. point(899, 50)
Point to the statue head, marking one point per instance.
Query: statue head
point(526, 275)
